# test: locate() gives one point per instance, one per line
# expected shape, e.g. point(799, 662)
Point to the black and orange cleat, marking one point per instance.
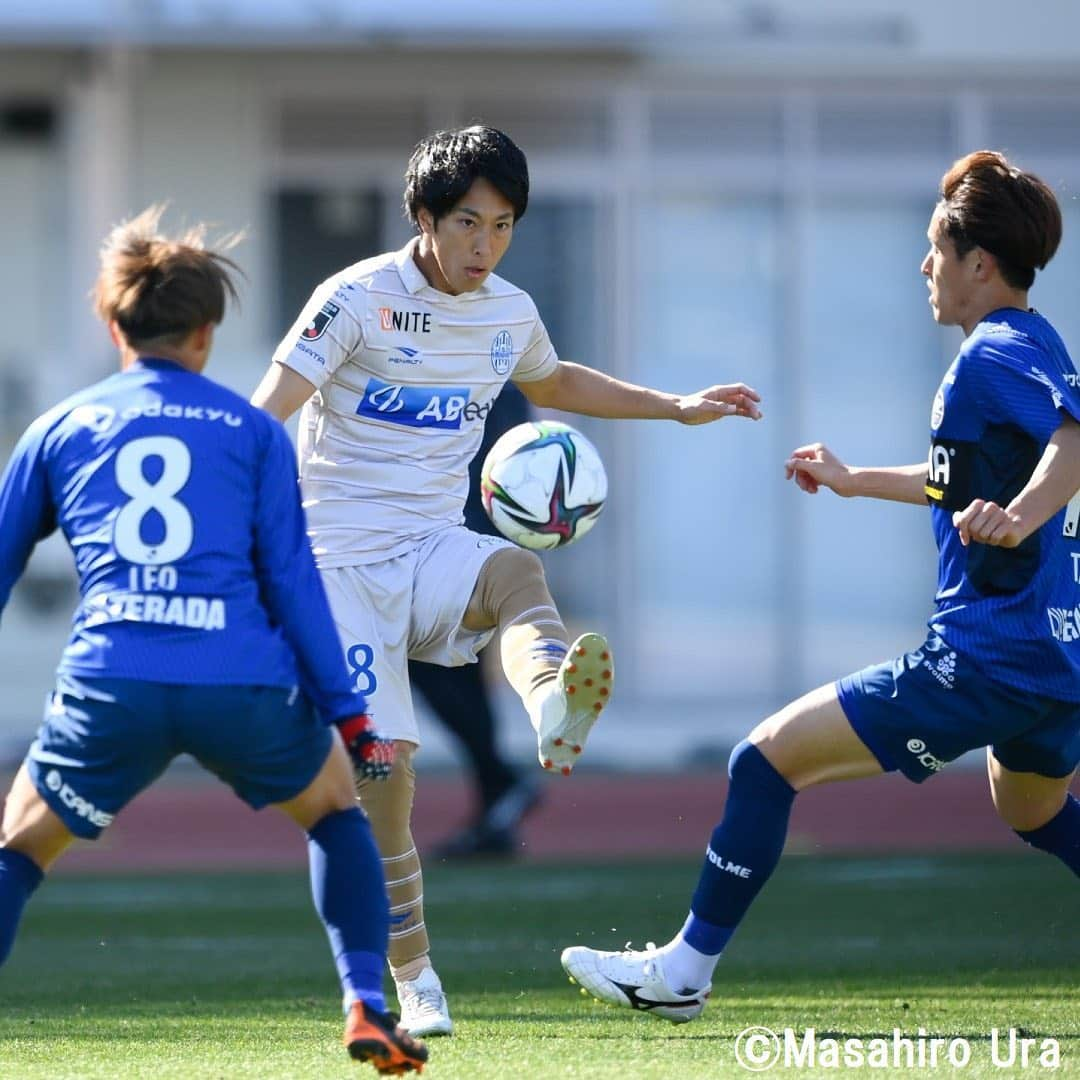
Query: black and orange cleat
point(376, 1037)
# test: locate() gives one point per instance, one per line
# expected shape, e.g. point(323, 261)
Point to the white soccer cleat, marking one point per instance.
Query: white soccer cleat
point(634, 980)
point(423, 1005)
point(564, 718)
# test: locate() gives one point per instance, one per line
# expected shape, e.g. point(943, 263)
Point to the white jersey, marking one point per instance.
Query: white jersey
point(406, 376)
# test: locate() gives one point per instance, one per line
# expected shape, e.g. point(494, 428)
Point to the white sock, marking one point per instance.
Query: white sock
point(685, 968)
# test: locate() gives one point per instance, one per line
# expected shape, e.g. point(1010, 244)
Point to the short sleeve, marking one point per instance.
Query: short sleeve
point(326, 333)
point(1016, 383)
point(538, 359)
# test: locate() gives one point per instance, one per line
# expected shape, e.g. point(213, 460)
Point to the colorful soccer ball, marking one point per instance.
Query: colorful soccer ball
point(543, 485)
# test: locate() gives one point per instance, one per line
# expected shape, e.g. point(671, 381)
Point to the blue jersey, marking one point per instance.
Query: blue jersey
point(1014, 611)
point(180, 504)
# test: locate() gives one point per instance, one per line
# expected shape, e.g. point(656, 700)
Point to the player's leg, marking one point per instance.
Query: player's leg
point(372, 608)
point(460, 699)
point(270, 747)
point(31, 839)
point(782, 756)
point(100, 743)
point(563, 685)
point(350, 898)
point(388, 803)
point(1031, 794)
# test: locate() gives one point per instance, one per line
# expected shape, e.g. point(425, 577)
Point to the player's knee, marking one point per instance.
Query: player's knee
point(747, 765)
point(506, 573)
point(388, 803)
point(1024, 813)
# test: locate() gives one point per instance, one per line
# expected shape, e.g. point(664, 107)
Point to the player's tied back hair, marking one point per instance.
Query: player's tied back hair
point(159, 289)
point(1012, 214)
point(445, 165)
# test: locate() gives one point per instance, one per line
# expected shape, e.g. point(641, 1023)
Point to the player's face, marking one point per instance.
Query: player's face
point(950, 279)
point(459, 252)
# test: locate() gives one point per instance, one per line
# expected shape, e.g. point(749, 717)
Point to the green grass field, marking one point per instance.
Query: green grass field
point(229, 976)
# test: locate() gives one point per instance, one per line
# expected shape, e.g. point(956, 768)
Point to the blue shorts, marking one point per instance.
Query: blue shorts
point(924, 709)
point(103, 740)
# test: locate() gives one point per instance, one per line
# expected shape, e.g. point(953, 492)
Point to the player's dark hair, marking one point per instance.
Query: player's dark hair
point(158, 290)
point(991, 204)
point(445, 165)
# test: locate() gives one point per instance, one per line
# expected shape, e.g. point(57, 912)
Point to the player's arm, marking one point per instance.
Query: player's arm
point(1054, 482)
point(576, 389)
point(27, 514)
point(282, 391)
point(816, 466)
point(293, 594)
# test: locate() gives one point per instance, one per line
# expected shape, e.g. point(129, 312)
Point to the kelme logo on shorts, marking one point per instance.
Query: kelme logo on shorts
point(442, 407)
point(502, 352)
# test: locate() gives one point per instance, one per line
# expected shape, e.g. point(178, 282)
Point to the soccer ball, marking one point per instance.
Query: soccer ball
point(543, 485)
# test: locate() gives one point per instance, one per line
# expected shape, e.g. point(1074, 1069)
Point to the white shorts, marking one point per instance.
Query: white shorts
point(408, 608)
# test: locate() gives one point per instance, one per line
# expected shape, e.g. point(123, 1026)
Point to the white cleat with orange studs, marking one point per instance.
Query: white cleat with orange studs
point(564, 718)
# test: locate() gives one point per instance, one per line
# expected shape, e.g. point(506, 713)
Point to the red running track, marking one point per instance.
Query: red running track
point(203, 826)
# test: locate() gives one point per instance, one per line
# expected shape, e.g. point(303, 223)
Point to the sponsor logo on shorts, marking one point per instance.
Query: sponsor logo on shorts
point(73, 801)
point(443, 407)
point(944, 670)
point(1064, 623)
point(323, 318)
point(502, 352)
point(924, 757)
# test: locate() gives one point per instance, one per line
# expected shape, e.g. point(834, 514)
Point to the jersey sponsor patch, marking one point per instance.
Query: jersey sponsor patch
point(323, 318)
point(949, 473)
point(444, 407)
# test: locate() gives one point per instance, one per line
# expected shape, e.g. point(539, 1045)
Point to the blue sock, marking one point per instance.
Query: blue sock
point(349, 891)
point(19, 877)
point(743, 851)
point(1060, 836)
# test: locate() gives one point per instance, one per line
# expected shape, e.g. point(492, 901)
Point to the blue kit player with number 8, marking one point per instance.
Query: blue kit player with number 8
point(202, 628)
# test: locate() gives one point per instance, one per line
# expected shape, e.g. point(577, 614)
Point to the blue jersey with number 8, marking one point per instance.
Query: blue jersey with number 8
point(180, 504)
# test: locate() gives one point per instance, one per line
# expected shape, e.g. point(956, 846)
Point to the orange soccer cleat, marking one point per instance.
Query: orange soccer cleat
point(375, 1037)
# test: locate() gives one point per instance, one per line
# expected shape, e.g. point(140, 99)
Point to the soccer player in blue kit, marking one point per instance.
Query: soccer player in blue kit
point(202, 627)
point(1001, 665)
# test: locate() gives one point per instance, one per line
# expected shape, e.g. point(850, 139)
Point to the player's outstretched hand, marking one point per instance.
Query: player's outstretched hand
point(716, 402)
point(816, 466)
point(372, 756)
point(988, 523)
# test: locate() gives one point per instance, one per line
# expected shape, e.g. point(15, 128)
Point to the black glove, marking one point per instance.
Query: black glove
point(373, 757)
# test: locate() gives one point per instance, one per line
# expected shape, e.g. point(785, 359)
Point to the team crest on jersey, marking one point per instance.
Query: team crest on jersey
point(502, 352)
point(937, 413)
point(323, 318)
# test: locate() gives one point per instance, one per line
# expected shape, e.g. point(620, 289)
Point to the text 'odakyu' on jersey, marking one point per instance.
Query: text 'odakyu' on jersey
point(406, 375)
point(1014, 611)
point(179, 502)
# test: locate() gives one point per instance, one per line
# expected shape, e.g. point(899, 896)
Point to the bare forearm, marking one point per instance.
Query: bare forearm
point(1054, 482)
point(900, 483)
point(589, 392)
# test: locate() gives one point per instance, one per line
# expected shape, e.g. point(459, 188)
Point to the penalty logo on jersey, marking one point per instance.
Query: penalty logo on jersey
point(323, 318)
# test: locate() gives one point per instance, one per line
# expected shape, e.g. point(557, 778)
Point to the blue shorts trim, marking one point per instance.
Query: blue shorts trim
point(102, 741)
point(924, 709)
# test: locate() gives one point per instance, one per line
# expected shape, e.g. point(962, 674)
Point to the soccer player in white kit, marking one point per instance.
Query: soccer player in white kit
point(396, 361)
